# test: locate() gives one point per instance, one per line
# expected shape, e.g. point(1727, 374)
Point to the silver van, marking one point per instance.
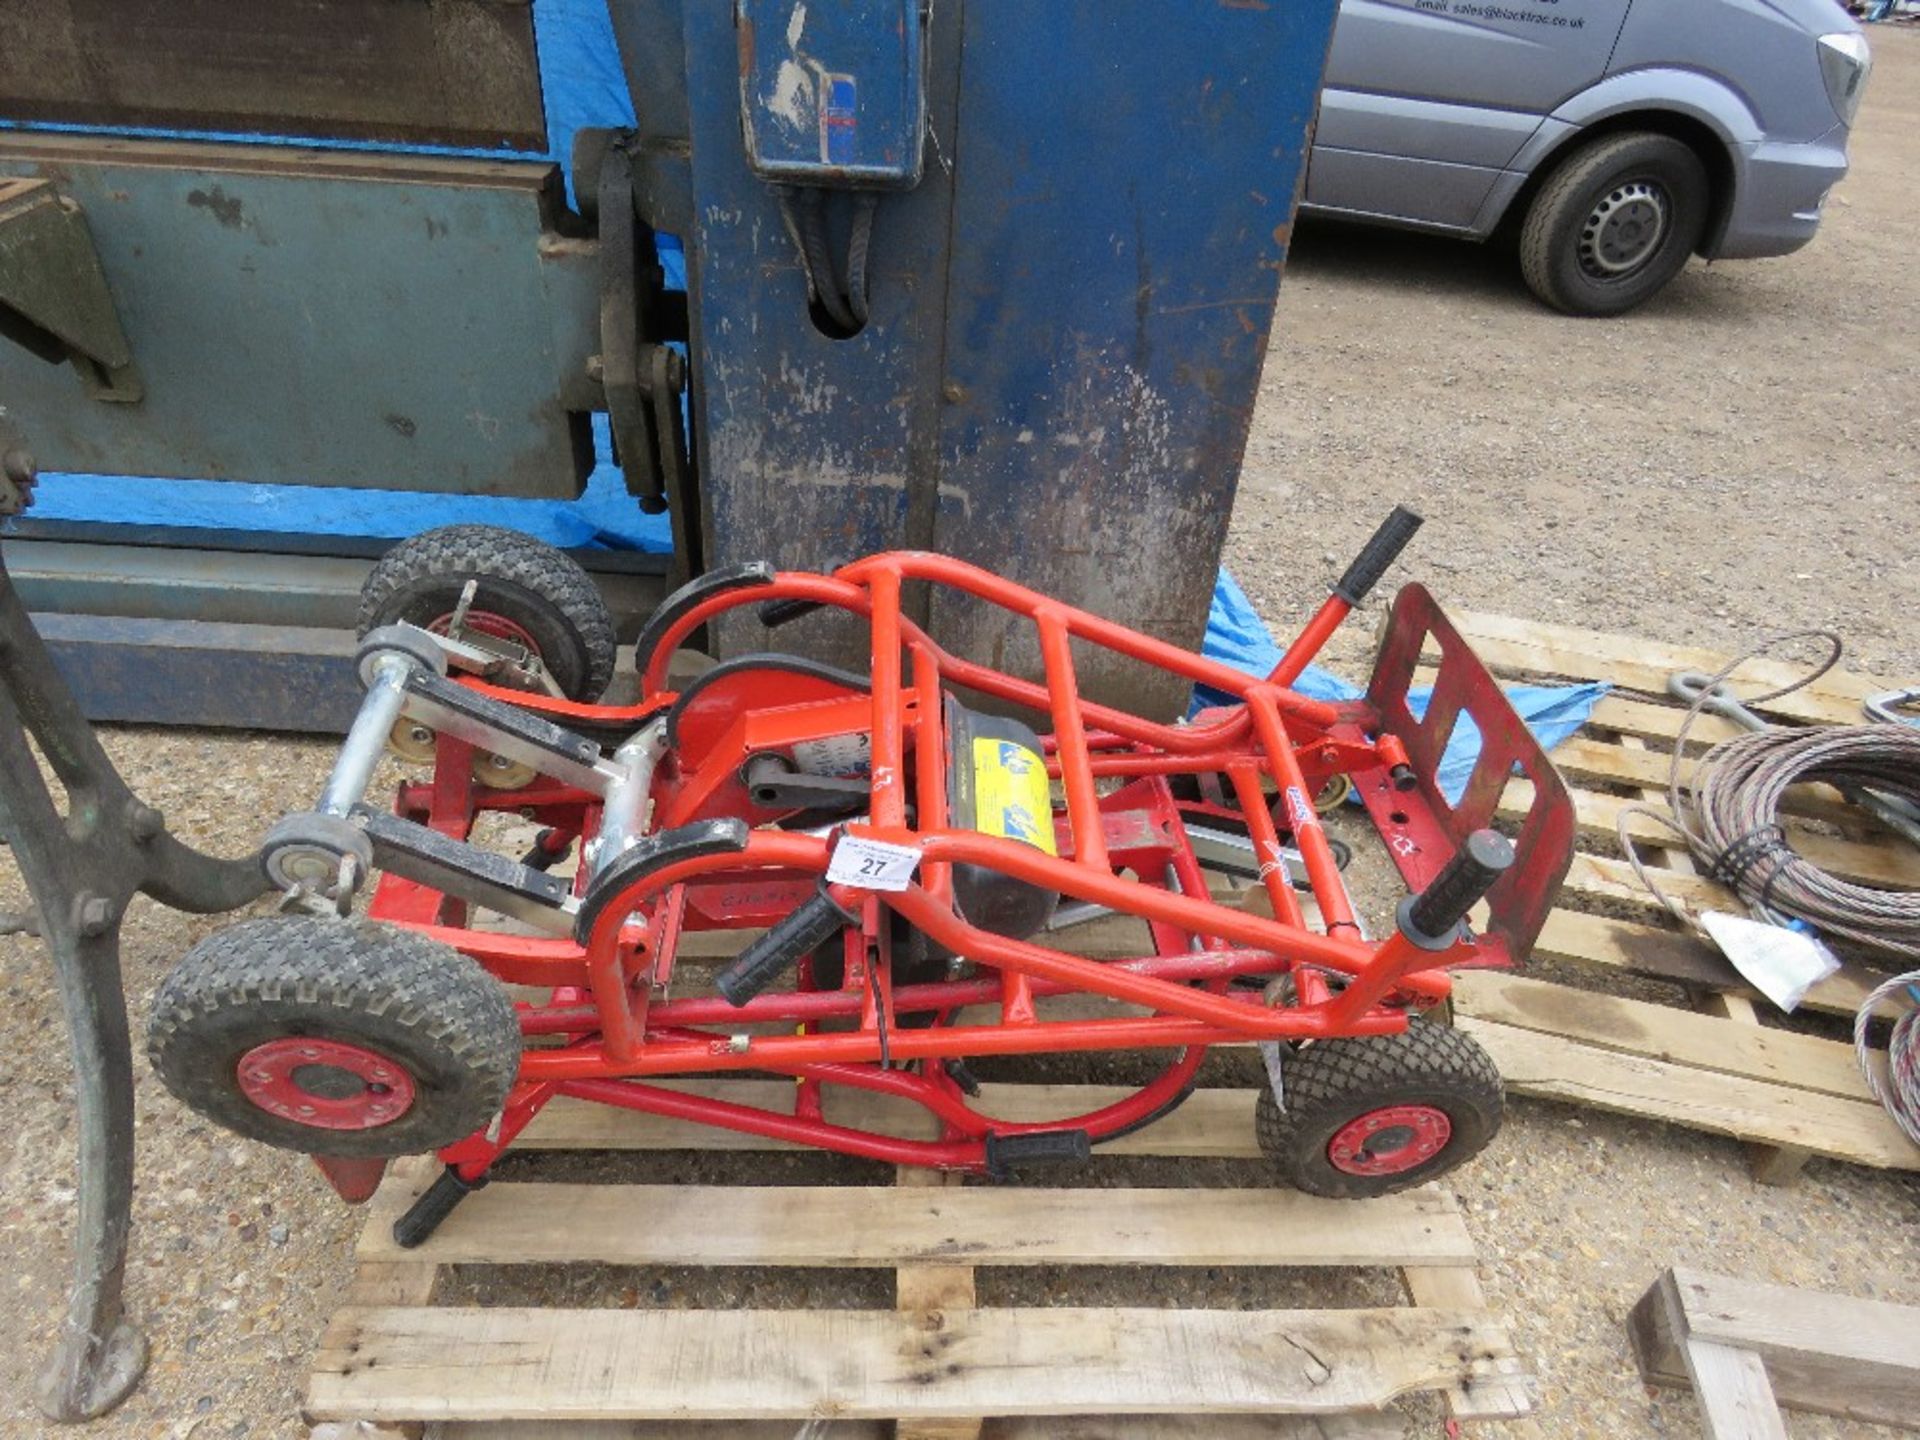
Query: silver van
point(1615, 137)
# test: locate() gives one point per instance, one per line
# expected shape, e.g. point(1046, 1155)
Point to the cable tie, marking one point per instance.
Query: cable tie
point(1731, 866)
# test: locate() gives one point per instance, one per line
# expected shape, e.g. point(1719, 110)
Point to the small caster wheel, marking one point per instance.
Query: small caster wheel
point(305, 850)
point(335, 1037)
point(528, 593)
point(1372, 1114)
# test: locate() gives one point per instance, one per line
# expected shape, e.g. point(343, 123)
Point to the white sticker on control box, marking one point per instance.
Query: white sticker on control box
point(837, 755)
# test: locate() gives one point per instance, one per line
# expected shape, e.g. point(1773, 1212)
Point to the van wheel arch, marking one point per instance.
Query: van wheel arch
point(1696, 135)
point(1615, 222)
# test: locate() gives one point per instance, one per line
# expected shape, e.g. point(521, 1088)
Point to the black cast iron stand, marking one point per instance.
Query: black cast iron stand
point(82, 868)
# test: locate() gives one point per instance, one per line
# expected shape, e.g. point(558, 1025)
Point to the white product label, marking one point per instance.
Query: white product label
point(835, 755)
point(872, 864)
point(1781, 964)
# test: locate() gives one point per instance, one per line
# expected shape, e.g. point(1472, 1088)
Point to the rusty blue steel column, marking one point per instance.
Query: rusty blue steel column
point(1067, 317)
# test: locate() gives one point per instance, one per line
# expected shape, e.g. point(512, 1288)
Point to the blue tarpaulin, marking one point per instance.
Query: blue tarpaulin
point(584, 86)
point(1237, 636)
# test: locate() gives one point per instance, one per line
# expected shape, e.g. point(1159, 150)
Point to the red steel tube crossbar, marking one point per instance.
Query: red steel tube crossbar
point(1309, 835)
point(808, 1006)
point(889, 760)
point(1076, 771)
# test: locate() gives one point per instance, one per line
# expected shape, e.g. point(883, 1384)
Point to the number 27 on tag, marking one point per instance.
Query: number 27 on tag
point(872, 864)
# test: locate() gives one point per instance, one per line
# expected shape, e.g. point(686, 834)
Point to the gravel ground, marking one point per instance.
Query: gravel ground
point(1649, 475)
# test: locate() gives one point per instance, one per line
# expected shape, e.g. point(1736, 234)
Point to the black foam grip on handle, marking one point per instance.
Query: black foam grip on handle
point(776, 613)
point(1378, 554)
point(1484, 858)
point(780, 949)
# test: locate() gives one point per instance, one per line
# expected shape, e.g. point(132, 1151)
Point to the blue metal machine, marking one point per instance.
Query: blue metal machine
point(990, 277)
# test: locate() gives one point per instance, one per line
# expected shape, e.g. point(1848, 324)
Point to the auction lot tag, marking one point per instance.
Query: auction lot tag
point(872, 864)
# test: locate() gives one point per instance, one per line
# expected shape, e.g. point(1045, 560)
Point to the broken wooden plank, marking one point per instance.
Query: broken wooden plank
point(1493, 1397)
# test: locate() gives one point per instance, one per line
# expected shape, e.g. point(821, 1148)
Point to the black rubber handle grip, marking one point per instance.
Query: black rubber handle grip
point(1457, 889)
point(1378, 554)
point(780, 949)
point(1036, 1147)
point(776, 613)
point(423, 1217)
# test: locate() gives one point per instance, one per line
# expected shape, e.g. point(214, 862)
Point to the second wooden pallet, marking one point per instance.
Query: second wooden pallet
point(940, 1363)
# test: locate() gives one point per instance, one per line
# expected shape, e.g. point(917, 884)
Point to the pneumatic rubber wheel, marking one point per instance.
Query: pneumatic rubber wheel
point(1614, 223)
point(1372, 1114)
point(528, 593)
point(335, 1037)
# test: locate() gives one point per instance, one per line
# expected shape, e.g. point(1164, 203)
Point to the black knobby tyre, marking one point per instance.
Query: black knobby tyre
point(420, 1029)
point(1614, 222)
point(1429, 1087)
point(525, 582)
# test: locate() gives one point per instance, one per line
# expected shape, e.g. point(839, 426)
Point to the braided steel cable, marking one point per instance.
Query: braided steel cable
point(1730, 810)
point(1900, 1092)
point(1727, 811)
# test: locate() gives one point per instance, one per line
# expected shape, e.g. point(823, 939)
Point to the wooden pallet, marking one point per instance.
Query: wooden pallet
point(939, 1360)
point(1715, 1067)
point(1747, 1349)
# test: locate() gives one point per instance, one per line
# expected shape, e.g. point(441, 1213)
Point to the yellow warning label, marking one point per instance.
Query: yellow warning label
point(1010, 793)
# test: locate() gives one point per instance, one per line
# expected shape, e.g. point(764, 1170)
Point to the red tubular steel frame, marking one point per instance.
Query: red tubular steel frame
point(610, 1032)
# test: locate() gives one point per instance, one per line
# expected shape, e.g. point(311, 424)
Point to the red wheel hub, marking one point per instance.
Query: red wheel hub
point(325, 1083)
point(1390, 1140)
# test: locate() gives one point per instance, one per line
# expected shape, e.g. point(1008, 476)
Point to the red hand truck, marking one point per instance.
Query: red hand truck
point(904, 854)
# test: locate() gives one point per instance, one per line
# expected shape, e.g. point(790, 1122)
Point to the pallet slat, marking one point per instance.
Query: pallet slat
point(1633, 1084)
point(1533, 647)
point(1826, 1353)
point(1586, 760)
point(1044, 1427)
point(1504, 1396)
point(1685, 1037)
point(413, 1364)
point(1215, 1124)
point(1600, 815)
point(871, 1226)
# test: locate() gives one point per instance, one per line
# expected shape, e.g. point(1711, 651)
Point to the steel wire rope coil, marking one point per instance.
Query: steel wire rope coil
point(1728, 812)
point(1899, 1093)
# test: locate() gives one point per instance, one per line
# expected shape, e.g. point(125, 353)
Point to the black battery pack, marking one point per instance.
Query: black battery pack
point(997, 784)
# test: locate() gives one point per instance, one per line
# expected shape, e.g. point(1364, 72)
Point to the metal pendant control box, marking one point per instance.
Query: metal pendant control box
point(833, 94)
